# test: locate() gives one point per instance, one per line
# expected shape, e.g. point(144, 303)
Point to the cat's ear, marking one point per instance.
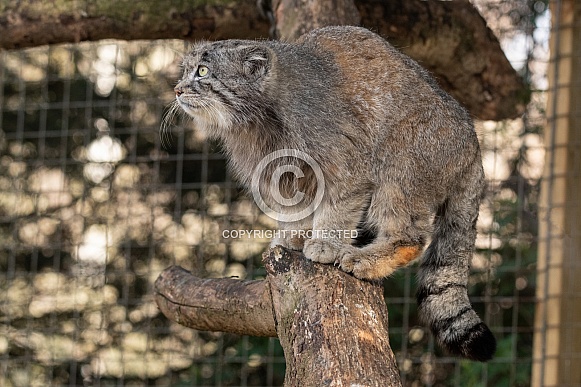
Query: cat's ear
point(256, 61)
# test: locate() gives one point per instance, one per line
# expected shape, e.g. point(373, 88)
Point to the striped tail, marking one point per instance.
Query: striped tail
point(442, 295)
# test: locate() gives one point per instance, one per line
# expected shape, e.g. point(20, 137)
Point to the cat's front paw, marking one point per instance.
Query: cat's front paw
point(318, 250)
point(324, 250)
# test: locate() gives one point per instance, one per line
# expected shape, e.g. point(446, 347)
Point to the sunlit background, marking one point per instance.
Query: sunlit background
point(93, 208)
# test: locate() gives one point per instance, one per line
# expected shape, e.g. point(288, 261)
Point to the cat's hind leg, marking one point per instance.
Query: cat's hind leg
point(402, 226)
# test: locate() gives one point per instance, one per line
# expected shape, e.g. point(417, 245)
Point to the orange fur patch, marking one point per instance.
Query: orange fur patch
point(405, 254)
point(386, 265)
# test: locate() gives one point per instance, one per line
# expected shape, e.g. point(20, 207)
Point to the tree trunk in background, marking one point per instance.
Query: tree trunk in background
point(297, 17)
point(449, 38)
point(333, 327)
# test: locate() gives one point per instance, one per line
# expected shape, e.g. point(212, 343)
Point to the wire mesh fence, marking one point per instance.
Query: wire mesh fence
point(93, 208)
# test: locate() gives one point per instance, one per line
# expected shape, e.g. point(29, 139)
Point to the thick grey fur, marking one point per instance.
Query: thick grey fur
point(400, 157)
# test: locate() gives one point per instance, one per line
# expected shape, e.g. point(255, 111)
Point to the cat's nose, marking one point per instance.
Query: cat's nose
point(178, 90)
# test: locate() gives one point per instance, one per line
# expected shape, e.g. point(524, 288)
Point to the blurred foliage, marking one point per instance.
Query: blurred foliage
point(92, 208)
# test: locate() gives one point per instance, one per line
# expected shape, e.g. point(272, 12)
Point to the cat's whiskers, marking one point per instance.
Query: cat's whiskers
point(167, 122)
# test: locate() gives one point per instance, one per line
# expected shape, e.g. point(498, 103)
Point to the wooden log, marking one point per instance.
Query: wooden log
point(333, 327)
point(223, 304)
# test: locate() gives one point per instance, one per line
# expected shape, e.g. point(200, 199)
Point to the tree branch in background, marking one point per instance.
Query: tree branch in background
point(449, 38)
point(332, 326)
point(37, 22)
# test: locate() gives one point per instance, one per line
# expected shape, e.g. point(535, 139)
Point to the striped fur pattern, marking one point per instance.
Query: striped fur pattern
point(400, 158)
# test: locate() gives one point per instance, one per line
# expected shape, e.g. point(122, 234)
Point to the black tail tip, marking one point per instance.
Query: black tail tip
point(479, 344)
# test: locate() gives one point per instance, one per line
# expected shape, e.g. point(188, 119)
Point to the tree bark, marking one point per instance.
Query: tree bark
point(333, 327)
point(449, 38)
point(224, 304)
point(297, 17)
point(37, 22)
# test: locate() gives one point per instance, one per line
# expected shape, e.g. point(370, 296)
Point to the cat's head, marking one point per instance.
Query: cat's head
point(222, 83)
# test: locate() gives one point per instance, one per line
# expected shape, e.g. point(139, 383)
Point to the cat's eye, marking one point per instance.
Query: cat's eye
point(202, 71)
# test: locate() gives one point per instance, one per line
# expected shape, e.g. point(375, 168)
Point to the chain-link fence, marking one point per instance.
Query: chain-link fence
point(93, 208)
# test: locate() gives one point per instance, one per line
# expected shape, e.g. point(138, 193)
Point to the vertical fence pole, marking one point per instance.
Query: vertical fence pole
point(557, 342)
